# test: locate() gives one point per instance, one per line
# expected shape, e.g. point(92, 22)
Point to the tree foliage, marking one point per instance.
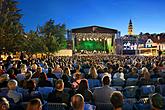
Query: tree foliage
point(48, 38)
point(54, 35)
point(11, 30)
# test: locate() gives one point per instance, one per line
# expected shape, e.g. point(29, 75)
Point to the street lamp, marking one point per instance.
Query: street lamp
point(159, 42)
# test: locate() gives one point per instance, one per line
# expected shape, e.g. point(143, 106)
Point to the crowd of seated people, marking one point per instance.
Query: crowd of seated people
point(83, 82)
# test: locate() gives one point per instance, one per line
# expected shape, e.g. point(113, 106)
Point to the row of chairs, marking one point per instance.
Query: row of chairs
point(49, 106)
point(129, 82)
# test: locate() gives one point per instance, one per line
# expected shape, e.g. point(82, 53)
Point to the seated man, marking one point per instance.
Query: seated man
point(4, 104)
point(59, 96)
point(117, 100)
point(34, 104)
point(102, 94)
point(77, 102)
point(157, 102)
point(12, 93)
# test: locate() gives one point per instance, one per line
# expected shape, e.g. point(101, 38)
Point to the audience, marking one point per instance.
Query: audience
point(69, 75)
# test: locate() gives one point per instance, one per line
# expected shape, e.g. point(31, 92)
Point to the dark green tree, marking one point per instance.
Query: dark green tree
point(34, 43)
point(11, 30)
point(54, 35)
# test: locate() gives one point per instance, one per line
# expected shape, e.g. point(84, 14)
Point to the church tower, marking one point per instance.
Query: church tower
point(130, 28)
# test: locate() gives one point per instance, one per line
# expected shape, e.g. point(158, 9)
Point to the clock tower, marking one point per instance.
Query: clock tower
point(130, 28)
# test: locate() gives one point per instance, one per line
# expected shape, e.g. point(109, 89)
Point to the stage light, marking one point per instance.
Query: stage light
point(79, 39)
point(87, 38)
point(83, 39)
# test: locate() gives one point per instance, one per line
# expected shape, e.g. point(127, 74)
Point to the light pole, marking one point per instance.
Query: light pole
point(159, 45)
point(159, 42)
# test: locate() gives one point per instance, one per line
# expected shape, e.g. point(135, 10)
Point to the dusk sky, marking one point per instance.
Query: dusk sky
point(146, 15)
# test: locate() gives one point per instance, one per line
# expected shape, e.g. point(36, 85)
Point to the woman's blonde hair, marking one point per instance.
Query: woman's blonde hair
point(93, 72)
point(145, 73)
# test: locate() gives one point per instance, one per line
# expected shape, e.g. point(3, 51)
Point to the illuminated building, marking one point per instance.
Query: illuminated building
point(94, 38)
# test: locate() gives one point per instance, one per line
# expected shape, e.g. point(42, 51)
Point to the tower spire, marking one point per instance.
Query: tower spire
point(130, 28)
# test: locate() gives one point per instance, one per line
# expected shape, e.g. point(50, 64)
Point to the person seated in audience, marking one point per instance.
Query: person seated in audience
point(34, 104)
point(119, 75)
point(77, 80)
point(28, 76)
point(133, 73)
point(77, 102)
point(161, 80)
point(102, 94)
point(77, 70)
point(100, 69)
point(157, 102)
point(45, 67)
point(15, 68)
point(117, 100)
point(50, 74)
point(155, 72)
point(57, 69)
point(106, 72)
point(2, 71)
point(144, 77)
point(43, 81)
point(67, 72)
point(12, 93)
point(37, 73)
point(83, 89)
point(34, 68)
point(32, 92)
point(11, 74)
point(58, 95)
point(92, 73)
point(66, 80)
point(21, 76)
point(4, 104)
point(4, 78)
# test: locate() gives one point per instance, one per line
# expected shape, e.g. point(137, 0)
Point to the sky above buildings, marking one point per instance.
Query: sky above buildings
point(146, 15)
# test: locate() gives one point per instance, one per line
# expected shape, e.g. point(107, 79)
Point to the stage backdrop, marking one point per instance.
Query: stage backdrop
point(91, 45)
